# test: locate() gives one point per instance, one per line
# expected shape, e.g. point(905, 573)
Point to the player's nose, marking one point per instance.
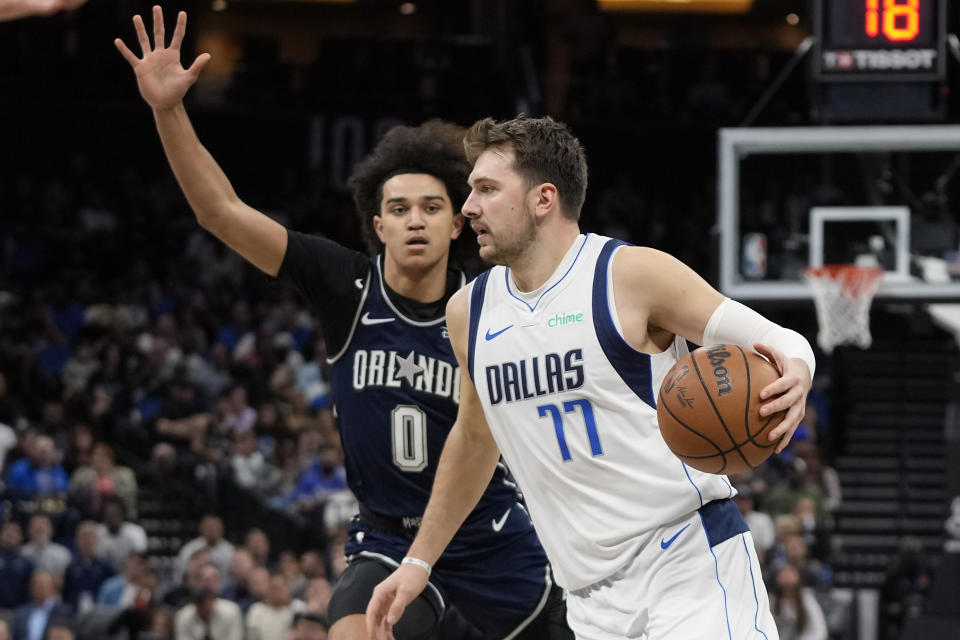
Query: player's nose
point(470, 207)
point(416, 219)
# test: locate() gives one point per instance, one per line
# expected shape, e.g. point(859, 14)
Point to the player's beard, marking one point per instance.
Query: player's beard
point(508, 245)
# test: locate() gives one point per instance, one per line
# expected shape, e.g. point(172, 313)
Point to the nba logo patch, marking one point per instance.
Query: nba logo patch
point(445, 333)
point(359, 537)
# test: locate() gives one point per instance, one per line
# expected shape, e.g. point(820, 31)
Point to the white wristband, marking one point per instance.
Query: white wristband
point(418, 562)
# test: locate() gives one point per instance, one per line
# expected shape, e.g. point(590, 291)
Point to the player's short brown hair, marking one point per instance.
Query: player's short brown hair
point(434, 148)
point(545, 151)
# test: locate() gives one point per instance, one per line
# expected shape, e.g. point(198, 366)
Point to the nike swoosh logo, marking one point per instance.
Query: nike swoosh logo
point(498, 524)
point(666, 543)
point(491, 336)
point(367, 320)
point(359, 283)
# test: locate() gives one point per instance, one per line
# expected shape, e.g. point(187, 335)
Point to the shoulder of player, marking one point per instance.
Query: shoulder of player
point(644, 264)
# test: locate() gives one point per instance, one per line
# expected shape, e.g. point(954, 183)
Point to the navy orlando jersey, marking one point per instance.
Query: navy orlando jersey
point(396, 385)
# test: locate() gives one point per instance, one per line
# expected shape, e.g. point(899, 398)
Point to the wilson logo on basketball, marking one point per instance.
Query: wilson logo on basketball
point(718, 357)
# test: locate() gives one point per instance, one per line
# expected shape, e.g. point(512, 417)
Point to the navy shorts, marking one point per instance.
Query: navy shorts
point(495, 573)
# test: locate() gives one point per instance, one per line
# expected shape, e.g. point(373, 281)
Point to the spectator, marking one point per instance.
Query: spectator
point(323, 477)
point(8, 437)
point(161, 625)
point(90, 485)
point(38, 483)
point(86, 573)
point(236, 586)
point(180, 594)
point(318, 595)
point(257, 586)
point(250, 469)
point(812, 572)
point(782, 497)
point(15, 568)
point(116, 536)
point(30, 621)
point(795, 608)
point(312, 565)
point(825, 476)
point(288, 564)
point(257, 545)
point(905, 587)
point(209, 616)
point(309, 626)
point(122, 589)
point(60, 629)
point(211, 540)
point(183, 420)
point(272, 617)
point(239, 415)
point(45, 554)
point(761, 524)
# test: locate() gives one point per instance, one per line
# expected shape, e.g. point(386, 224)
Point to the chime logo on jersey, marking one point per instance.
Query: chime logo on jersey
point(538, 376)
point(380, 368)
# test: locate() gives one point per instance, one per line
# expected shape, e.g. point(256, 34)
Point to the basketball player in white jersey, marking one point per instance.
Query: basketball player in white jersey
point(566, 344)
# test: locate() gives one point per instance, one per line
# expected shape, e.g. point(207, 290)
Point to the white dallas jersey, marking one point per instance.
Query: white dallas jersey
point(572, 408)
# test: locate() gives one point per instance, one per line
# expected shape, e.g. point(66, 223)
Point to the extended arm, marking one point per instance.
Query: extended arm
point(163, 82)
point(656, 292)
point(466, 465)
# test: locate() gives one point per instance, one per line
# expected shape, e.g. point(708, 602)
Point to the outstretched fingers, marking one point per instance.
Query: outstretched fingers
point(179, 30)
point(141, 35)
point(128, 55)
point(158, 32)
point(198, 64)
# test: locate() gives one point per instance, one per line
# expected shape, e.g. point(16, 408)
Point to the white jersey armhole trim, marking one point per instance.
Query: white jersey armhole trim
point(386, 298)
point(612, 298)
point(353, 326)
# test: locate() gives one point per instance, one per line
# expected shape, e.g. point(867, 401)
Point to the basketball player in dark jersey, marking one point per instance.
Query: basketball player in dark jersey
point(394, 375)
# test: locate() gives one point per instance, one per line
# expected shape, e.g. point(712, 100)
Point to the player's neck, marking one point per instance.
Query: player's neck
point(530, 270)
point(427, 284)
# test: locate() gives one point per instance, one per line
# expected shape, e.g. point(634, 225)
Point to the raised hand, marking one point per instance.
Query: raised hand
point(161, 78)
point(13, 9)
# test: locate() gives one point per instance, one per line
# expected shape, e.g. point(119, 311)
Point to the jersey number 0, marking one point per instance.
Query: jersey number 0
point(409, 435)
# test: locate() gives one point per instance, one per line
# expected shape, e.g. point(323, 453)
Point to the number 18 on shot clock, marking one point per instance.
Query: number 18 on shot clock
point(880, 40)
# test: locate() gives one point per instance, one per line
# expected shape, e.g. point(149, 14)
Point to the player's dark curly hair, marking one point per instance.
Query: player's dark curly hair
point(434, 148)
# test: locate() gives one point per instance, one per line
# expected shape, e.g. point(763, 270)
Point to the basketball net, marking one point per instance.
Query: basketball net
point(842, 294)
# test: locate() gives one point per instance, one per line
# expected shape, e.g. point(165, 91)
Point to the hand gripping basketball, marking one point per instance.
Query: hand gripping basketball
point(709, 409)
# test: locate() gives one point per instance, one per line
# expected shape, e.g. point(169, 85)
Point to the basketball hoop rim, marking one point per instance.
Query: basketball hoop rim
point(856, 282)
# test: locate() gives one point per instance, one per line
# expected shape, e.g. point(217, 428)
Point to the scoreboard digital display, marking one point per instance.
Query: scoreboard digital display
point(877, 40)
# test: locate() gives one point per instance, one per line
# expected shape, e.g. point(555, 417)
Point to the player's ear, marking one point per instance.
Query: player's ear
point(458, 222)
point(546, 198)
point(378, 228)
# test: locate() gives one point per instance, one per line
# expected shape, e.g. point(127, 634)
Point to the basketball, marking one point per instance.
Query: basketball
point(709, 409)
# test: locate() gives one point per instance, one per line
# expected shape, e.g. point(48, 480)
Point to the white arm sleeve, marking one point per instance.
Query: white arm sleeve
point(734, 323)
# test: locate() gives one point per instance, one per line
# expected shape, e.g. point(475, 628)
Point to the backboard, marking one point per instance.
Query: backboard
point(796, 197)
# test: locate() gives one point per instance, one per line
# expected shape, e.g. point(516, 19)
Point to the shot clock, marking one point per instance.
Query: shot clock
point(880, 40)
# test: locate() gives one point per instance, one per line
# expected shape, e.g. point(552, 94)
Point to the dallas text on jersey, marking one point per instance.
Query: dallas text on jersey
point(510, 381)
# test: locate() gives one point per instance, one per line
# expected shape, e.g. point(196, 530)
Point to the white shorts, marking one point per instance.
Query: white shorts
point(678, 586)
